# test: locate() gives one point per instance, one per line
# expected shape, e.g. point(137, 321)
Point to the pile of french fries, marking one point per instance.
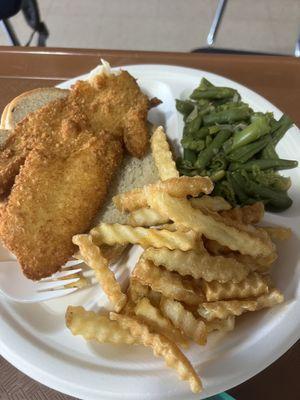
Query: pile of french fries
point(203, 265)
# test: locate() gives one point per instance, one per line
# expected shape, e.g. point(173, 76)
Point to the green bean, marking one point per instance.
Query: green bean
point(238, 190)
point(205, 84)
point(254, 131)
point(224, 189)
point(231, 104)
point(192, 144)
point(218, 162)
point(271, 179)
point(227, 145)
point(214, 129)
point(208, 140)
point(246, 152)
point(206, 110)
point(285, 124)
point(193, 125)
point(278, 131)
point(189, 155)
point(206, 155)
point(192, 115)
point(269, 152)
point(277, 164)
point(227, 116)
point(212, 93)
point(218, 175)
point(276, 200)
point(202, 104)
point(184, 164)
point(201, 133)
point(184, 106)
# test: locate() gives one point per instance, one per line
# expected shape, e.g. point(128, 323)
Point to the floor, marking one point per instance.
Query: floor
point(173, 25)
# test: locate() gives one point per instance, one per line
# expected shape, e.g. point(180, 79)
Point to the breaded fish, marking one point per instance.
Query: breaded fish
point(56, 196)
point(113, 103)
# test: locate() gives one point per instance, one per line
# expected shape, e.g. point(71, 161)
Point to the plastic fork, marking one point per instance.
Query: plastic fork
point(15, 286)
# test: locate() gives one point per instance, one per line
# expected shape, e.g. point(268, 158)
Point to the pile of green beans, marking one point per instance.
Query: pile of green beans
point(223, 138)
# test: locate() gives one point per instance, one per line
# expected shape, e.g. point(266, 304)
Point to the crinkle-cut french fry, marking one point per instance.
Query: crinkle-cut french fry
point(112, 253)
point(170, 284)
point(154, 297)
point(176, 187)
point(278, 232)
point(123, 234)
point(244, 238)
point(253, 286)
point(136, 290)
point(198, 264)
point(152, 316)
point(184, 320)
point(174, 228)
point(213, 203)
point(223, 308)
point(162, 155)
point(251, 214)
point(224, 325)
point(270, 299)
point(163, 347)
point(95, 326)
point(146, 217)
point(92, 256)
point(149, 217)
point(259, 264)
point(130, 201)
point(215, 248)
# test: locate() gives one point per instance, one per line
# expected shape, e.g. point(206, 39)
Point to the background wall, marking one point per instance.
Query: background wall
point(174, 25)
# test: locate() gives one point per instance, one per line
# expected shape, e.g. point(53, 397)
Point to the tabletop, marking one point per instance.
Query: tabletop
point(277, 78)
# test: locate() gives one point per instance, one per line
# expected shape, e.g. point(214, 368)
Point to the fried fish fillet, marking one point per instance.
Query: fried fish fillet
point(55, 196)
point(113, 103)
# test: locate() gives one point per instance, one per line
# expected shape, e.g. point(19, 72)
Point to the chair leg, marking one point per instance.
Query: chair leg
point(10, 33)
point(216, 22)
point(297, 47)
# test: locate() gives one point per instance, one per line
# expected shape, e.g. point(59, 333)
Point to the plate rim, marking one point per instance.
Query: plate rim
point(55, 382)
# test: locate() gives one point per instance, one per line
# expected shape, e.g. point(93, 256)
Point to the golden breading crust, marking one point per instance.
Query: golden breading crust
point(113, 103)
point(56, 196)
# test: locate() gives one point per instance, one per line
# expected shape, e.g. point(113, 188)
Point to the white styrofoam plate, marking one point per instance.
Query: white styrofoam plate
point(35, 340)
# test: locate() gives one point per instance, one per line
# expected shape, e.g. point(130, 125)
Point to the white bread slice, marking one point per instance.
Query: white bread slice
point(133, 173)
point(28, 102)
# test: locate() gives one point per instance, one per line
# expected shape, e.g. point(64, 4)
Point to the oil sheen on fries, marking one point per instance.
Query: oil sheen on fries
point(95, 326)
point(176, 187)
point(243, 238)
point(224, 325)
point(162, 347)
point(198, 264)
point(152, 316)
point(146, 237)
point(146, 217)
point(168, 283)
point(213, 203)
point(184, 320)
point(224, 308)
point(251, 214)
point(253, 286)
